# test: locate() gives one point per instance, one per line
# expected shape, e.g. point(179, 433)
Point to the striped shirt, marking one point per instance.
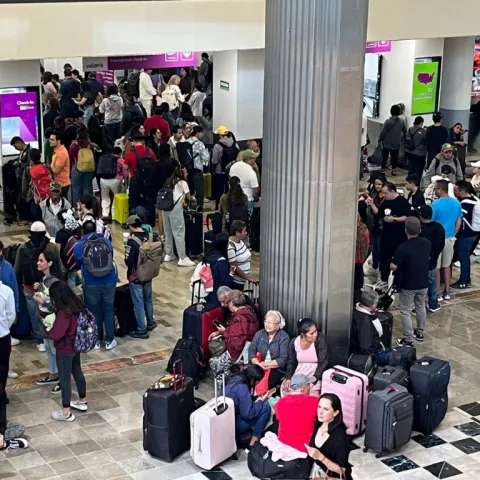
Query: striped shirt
point(239, 253)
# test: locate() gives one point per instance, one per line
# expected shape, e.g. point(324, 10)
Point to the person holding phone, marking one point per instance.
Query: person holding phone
point(250, 415)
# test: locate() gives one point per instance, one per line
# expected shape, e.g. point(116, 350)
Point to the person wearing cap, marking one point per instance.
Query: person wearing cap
point(435, 234)
point(28, 274)
point(51, 207)
point(141, 291)
point(445, 157)
point(201, 159)
point(436, 136)
point(248, 178)
point(60, 162)
point(411, 265)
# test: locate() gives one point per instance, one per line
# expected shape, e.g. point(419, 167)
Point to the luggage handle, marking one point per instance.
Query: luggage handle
point(391, 390)
point(199, 283)
point(182, 376)
point(216, 395)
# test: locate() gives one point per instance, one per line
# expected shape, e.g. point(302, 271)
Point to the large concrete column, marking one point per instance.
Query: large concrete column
point(456, 85)
point(314, 58)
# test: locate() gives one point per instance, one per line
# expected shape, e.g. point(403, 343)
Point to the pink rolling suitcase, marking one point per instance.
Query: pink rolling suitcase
point(212, 429)
point(352, 389)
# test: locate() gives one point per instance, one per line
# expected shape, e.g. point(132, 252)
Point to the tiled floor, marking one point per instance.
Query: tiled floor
point(105, 443)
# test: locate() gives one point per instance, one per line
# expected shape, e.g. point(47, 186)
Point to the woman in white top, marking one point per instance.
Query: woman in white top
point(174, 222)
point(239, 256)
point(48, 85)
point(196, 100)
point(173, 96)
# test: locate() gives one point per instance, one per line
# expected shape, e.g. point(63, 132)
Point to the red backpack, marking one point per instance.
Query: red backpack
point(68, 257)
point(41, 180)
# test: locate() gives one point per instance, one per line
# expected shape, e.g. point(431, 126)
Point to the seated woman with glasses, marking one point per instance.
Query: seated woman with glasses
point(269, 348)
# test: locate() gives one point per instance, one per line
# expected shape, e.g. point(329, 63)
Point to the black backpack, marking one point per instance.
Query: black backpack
point(437, 163)
point(238, 211)
point(165, 199)
point(144, 169)
point(134, 84)
point(107, 166)
point(229, 155)
point(10, 253)
point(185, 154)
point(190, 355)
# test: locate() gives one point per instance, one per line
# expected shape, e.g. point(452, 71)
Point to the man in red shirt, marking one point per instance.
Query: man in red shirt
point(157, 122)
point(296, 413)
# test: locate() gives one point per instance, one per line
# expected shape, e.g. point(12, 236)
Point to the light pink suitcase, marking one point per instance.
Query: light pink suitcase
point(212, 429)
point(352, 389)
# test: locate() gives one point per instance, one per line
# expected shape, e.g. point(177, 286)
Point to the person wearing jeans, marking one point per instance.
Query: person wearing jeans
point(411, 266)
point(141, 291)
point(112, 106)
point(99, 291)
point(68, 308)
point(394, 129)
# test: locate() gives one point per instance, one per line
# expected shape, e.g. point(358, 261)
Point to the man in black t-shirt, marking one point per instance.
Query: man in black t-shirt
point(394, 210)
point(411, 265)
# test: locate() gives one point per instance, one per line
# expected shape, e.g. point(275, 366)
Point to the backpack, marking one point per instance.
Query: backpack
point(68, 258)
point(86, 334)
point(99, 225)
point(97, 257)
point(189, 352)
point(185, 154)
point(475, 226)
point(85, 160)
point(165, 199)
point(410, 140)
point(150, 257)
point(238, 211)
point(229, 155)
point(10, 253)
point(437, 163)
point(41, 182)
point(133, 84)
point(107, 166)
point(144, 168)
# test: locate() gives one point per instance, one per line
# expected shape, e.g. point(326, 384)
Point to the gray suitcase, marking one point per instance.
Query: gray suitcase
point(388, 375)
point(389, 420)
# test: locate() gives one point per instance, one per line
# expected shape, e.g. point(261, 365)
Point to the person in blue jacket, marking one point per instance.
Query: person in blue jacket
point(99, 291)
point(218, 261)
point(249, 414)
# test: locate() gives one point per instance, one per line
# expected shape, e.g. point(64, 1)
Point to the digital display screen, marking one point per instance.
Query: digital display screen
point(426, 85)
point(19, 117)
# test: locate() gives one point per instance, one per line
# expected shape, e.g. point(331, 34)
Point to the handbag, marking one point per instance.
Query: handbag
point(216, 345)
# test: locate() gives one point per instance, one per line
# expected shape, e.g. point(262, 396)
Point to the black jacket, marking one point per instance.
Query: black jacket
point(364, 337)
point(323, 356)
point(131, 114)
point(417, 199)
point(435, 234)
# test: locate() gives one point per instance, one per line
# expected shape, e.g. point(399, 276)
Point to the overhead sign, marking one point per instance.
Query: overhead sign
point(383, 46)
point(164, 60)
point(426, 84)
point(94, 64)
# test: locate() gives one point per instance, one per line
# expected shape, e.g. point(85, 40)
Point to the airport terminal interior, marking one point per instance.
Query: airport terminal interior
point(300, 98)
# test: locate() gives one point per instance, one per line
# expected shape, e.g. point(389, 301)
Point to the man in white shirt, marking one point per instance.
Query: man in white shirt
point(248, 178)
point(147, 90)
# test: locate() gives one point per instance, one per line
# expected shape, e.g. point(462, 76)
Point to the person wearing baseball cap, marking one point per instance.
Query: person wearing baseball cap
point(436, 136)
point(51, 207)
point(448, 157)
point(296, 412)
point(248, 178)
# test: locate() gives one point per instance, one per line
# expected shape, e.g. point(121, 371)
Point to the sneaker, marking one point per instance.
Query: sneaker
point(56, 389)
point(456, 264)
point(12, 374)
point(62, 417)
point(97, 346)
point(434, 310)
point(152, 326)
point(371, 272)
point(414, 312)
point(111, 345)
point(137, 334)
point(15, 444)
point(459, 286)
point(14, 341)
point(446, 296)
point(440, 298)
point(41, 347)
point(169, 258)
point(185, 262)
point(79, 405)
point(476, 253)
point(47, 381)
point(418, 336)
point(469, 284)
point(401, 342)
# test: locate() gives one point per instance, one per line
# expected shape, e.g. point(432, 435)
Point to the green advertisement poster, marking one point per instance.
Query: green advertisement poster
point(426, 80)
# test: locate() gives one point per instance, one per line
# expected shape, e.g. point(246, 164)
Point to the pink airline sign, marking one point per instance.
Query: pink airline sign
point(383, 46)
point(164, 60)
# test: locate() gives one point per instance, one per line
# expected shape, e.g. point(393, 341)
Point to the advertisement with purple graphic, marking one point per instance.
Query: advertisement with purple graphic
point(164, 60)
point(426, 85)
point(106, 77)
point(383, 46)
point(476, 69)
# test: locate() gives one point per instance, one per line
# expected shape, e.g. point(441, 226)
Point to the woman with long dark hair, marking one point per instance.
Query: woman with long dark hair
point(185, 114)
point(87, 101)
point(67, 307)
point(329, 446)
point(233, 205)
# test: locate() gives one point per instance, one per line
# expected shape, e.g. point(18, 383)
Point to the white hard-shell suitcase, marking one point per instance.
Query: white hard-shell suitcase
point(212, 429)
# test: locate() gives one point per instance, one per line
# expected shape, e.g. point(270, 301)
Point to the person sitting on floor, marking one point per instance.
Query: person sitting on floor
point(249, 414)
point(269, 348)
point(366, 327)
point(308, 354)
point(238, 333)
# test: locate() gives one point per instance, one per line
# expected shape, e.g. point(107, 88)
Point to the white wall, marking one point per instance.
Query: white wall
point(55, 65)
point(23, 73)
point(225, 68)
point(251, 73)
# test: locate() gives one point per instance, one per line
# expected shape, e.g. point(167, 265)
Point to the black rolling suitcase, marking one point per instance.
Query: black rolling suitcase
point(386, 319)
point(166, 419)
point(193, 232)
point(388, 375)
point(429, 379)
point(123, 307)
point(389, 420)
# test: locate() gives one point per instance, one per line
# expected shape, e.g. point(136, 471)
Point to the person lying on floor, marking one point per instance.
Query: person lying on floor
point(250, 415)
